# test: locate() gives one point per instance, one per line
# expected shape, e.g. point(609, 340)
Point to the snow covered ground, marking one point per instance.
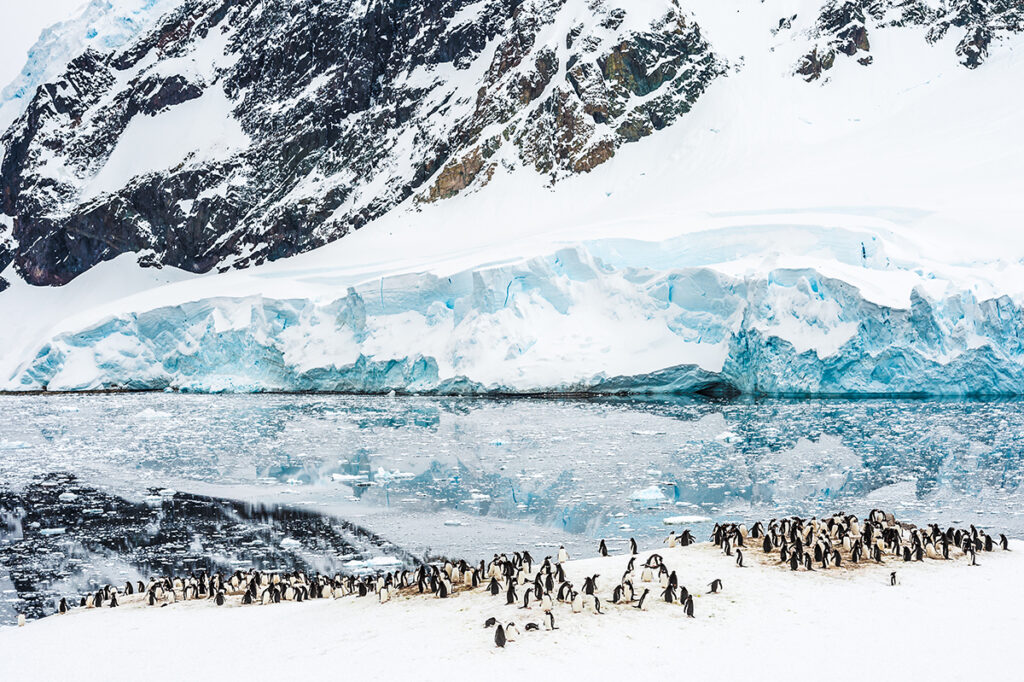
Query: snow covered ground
point(943, 621)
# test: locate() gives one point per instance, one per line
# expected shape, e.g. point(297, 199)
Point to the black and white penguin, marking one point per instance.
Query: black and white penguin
point(549, 621)
point(530, 627)
point(128, 589)
point(499, 636)
point(511, 632)
point(642, 604)
point(563, 555)
point(716, 585)
point(490, 622)
point(632, 546)
point(63, 606)
point(688, 606)
point(21, 620)
point(602, 548)
point(113, 600)
point(219, 599)
point(493, 587)
point(739, 557)
point(1004, 543)
point(526, 599)
point(510, 594)
point(892, 578)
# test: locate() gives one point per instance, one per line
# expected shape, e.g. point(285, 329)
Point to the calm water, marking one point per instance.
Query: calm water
point(472, 476)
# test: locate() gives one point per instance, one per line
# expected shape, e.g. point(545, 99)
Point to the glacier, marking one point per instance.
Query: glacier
point(607, 316)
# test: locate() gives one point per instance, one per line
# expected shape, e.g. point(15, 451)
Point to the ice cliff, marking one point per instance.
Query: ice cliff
point(581, 319)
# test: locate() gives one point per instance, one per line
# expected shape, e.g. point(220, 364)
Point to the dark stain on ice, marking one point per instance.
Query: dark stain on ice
point(59, 538)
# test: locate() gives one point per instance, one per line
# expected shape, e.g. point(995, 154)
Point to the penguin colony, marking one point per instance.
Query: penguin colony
point(843, 541)
point(519, 582)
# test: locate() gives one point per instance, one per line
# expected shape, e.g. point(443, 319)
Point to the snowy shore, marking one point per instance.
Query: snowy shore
point(943, 621)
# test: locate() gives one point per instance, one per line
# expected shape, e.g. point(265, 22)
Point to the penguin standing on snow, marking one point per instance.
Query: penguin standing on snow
point(670, 540)
point(716, 585)
point(563, 555)
point(63, 607)
point(602, 548)
point(1004, 543)
point(21, 620)
point(632, 546)
point(549, 620)
point(511, 593)
point(499, 636)
point(739, 558)
point(642, 604)
point(490, 622)
point(688, 606)
point(892, 578)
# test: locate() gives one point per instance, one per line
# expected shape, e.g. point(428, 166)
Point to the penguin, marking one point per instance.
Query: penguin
point(128, 589)
point(716, 585)
point(670, 540)
point(113, 600)
point(632, 546)
point(490, 622)
point(499, 637)
point(511, 632)
point(493, 587)
point(531, 627)
point(668, 594)
point(577, 602)
point(1004, 543)
point(688, 606)
point(219, 600)
point(563, 555)
point(642, 604)
point(549, 622)
point(892, 578)
point(510, 595)
point(602, 548)
point(526, 599)
point(646, 575)
point(617, 594)
point(739, 558)
point(21, 620)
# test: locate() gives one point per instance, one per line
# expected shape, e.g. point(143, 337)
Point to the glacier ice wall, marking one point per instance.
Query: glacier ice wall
point(580, 320)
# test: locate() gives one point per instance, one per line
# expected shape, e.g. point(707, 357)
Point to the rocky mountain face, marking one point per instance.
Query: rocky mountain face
point(240, 131)
point(843, 28)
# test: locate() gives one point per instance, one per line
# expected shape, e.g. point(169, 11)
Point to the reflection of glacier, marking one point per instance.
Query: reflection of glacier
point(612, 316)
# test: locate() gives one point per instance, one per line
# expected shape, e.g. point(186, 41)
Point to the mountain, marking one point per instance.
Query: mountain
point(794, 196)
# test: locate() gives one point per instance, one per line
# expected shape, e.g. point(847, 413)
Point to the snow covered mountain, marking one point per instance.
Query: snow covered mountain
point(794, 196)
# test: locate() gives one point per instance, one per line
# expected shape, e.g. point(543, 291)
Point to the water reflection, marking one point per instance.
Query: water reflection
point(574, 466)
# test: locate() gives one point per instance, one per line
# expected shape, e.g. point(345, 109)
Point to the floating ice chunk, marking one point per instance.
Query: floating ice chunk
point(52, 531)
point(150, 413)
point(652, 494)
point(167, 492)
point(453, 522)
point(13, 445)
point(674, 520)
point(67, 497)
point(291, 543)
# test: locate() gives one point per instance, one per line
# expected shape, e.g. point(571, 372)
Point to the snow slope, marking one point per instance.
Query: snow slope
point(852, 235)
point(762, 614)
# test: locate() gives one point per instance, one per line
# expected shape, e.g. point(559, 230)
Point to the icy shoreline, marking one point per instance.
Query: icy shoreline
point(762, 612)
